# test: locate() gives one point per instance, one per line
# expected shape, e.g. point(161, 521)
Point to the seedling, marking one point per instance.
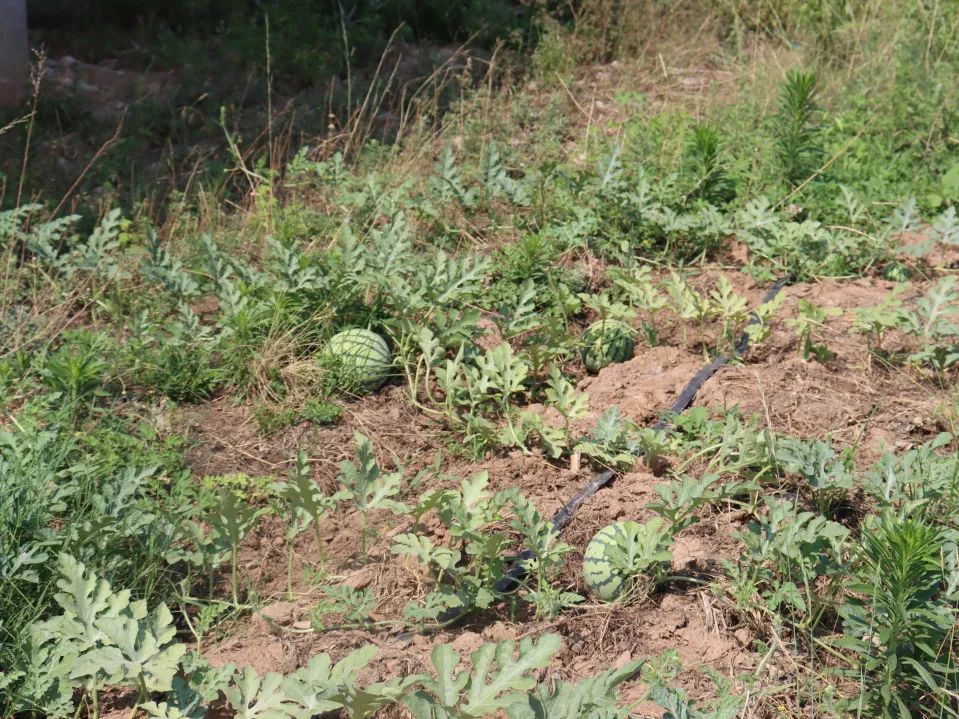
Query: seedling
point(808, 326)
point(305, 505)
point(369, 488)
point(231, 520)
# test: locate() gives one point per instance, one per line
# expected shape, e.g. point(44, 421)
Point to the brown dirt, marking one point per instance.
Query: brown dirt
point(846, 399)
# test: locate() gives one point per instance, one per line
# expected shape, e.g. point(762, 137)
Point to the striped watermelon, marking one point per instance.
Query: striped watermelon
point(361, 357)
point(602, 577)
point(606, 342)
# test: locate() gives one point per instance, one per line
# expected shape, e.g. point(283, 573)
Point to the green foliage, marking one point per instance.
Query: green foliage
point(808, 325)
point(230, 521)
point(931, 321)
point(101, 638)
point(320, 411)
point(798, 151)
point(922, 481)
point(467, 569)
point(705, 168)
point(828, 478)
point(899, 622)
point(595, 696)
point(875, 322)
point(74, 375)
point(541, 538)
point(617, 442)
point(501, 676)
point(479, 393)
point(353, 606)
point(369, 489)
point(302, 505)
point(797, 561)
point(103, 494)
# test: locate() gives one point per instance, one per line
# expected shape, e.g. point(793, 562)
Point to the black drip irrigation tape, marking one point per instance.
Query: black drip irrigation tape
point(517, 572)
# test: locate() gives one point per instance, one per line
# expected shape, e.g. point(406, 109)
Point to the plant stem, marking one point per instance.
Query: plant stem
point(233, 578)
point(363, 534)
point(289, 570)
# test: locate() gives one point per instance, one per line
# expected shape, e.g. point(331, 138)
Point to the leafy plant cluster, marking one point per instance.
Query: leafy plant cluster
point(99, 488)
point(929, 323)
point(103, 638)
point(877, 595)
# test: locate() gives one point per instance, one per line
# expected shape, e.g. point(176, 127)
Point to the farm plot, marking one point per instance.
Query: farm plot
point(286, 463)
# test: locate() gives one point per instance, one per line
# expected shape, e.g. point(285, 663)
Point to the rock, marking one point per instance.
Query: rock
point(279, 612)
point(357, 580)
point(467, 642)
point(498, 632)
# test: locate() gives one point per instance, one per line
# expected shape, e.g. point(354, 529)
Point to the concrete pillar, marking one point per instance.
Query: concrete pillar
point(14, 51)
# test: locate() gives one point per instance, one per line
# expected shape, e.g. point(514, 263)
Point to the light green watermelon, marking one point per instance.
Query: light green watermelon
point(361, 357)
point(602, 577)
point(606, 342)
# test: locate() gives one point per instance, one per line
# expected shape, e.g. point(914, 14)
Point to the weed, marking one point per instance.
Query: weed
point(797, 148)
point(899, 624)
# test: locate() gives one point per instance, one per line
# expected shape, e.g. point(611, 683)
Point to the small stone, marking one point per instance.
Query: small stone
point(622, 660)
point(358, 580)
point(279, 612)
point(467, 642)
point(305, 624)
point(498, 632)
point(743, 636)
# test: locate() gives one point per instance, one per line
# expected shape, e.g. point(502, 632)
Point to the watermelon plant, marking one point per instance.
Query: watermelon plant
point(466, 569)
point(370, 489)
point(301, 504)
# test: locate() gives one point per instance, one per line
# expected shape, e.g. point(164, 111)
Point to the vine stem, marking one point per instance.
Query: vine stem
point(234, 582)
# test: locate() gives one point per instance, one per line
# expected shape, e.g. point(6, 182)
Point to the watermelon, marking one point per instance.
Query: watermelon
point(603, 578)
point(606, 342)
point(897, 271)
point(361, 359)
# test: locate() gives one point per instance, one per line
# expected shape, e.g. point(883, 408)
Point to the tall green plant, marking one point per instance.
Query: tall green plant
point(798, 147)
point(900, 623)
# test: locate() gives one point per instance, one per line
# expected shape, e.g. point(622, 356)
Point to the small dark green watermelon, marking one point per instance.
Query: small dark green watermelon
point(361, 356)
point(606, 342)
point(896, 271)
point(602, 577)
